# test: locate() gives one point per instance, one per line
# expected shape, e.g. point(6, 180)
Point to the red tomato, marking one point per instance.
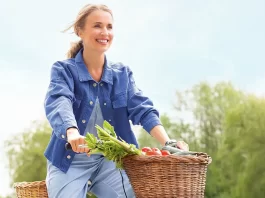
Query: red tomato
point(145, 149)
point(153, 153)
point(164, 152)
point(155, 149)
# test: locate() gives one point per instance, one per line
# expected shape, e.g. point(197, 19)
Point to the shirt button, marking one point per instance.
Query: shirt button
point(95, 84)
point(110, 120)
point(89, 182)
point(91, 102)
point(68, 156)
point(105, 103)
point(101, 84)
point(84, 121)
point(63, 136)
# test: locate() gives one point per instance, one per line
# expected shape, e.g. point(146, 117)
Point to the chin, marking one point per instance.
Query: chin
point(102, 49)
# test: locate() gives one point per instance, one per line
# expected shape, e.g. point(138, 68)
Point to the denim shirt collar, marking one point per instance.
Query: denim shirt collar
point(83, 73)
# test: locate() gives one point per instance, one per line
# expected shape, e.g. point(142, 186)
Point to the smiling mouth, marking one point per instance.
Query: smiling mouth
point(102, 41)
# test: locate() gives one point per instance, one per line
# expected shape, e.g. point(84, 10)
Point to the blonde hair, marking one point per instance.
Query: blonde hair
point(79, 23)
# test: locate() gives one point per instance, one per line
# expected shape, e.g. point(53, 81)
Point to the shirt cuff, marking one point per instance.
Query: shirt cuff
point(150, 121)
point(60, 131)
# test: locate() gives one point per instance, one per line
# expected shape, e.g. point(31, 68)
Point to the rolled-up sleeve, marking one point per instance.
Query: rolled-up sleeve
point(141, 109)
point(59, 100)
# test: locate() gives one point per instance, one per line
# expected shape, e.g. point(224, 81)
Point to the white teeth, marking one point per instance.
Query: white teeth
point(102, 41)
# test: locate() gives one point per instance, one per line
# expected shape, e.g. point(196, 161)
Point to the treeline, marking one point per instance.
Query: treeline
point(220, 120)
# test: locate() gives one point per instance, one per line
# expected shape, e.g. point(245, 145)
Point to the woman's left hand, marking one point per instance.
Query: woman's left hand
point(182, 145)
point(178, 144)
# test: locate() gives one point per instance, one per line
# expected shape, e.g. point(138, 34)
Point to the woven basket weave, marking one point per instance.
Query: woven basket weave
point(35, 189)
point(150, 176)
point(167, 176)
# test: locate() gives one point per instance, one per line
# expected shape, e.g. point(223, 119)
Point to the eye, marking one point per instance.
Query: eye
point(109, 26)
point(97, 26)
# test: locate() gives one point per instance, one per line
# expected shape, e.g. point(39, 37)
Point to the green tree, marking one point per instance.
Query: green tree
point(206, 107)
point(242, 152)
point(25, 153)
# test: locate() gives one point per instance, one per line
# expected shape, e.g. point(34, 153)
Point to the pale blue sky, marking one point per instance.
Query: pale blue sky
point(169, 44)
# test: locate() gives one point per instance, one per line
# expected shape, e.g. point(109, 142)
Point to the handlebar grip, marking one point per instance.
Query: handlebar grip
point(68, 146)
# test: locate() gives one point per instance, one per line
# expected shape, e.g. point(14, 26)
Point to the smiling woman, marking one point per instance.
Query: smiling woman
point(94, 26)
point(85, 90)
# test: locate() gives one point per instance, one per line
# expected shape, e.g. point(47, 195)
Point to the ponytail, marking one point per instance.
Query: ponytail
point(74, 49)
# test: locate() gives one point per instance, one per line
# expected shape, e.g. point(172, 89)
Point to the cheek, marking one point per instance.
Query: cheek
point(111, 35)
point(91, 35)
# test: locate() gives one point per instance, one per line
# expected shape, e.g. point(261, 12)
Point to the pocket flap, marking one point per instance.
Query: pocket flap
point(119, 101)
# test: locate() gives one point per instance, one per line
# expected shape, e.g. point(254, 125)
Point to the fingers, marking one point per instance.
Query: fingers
point(80, 141)
point(74, 146)
point(77, 140)
point(183, 145)
point(87, 150)
point(73, 136)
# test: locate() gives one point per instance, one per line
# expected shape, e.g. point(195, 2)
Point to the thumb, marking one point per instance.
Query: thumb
point(88, 155)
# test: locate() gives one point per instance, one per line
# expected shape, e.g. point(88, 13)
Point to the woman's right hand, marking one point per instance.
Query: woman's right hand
point(75, 139)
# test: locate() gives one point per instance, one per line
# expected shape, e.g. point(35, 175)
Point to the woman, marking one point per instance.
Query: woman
point(85, 90)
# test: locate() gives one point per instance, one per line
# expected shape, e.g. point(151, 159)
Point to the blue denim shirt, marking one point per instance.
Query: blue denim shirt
point(71, 97)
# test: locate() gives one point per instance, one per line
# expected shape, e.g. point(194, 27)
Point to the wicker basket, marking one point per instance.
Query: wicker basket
point(151, 177)
point(35, 189)
point(167, 176)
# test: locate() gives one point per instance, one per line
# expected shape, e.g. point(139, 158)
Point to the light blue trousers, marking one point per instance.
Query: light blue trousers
point(94, 174)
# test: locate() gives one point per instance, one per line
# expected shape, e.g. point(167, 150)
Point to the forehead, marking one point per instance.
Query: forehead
point(99, 16)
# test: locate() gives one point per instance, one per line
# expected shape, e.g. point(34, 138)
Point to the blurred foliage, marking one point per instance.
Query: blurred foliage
point(229, 125)
point(25, 153)
point(220, 120)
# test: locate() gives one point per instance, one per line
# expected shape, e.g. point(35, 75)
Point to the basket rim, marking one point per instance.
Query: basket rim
point(25, 184)
point(201, 158)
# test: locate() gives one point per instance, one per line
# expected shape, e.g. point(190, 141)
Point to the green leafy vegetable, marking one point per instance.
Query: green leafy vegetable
point(109, 145)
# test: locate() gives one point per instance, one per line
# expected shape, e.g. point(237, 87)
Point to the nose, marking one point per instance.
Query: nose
point(104, 31)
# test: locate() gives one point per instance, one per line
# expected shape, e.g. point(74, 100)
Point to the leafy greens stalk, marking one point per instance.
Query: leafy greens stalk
point(109, 145)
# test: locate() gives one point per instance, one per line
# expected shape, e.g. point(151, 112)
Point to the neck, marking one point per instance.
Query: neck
point(93, 60)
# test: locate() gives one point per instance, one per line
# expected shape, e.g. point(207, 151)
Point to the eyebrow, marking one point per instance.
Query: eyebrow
point(101, 23)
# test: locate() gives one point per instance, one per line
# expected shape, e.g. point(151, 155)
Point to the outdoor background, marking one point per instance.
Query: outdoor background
point(201, 62)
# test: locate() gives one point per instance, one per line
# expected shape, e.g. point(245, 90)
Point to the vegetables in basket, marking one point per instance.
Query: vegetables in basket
point(109, 145)
point(176, 151)
point(114, 149)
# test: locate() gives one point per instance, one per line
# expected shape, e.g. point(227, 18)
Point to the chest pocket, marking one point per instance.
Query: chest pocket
point(119, 109)
point(119, 101)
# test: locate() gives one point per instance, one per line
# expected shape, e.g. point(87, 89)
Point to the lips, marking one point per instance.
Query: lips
point(102, 41)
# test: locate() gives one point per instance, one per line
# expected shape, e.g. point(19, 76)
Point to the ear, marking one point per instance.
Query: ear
point(80, 33)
